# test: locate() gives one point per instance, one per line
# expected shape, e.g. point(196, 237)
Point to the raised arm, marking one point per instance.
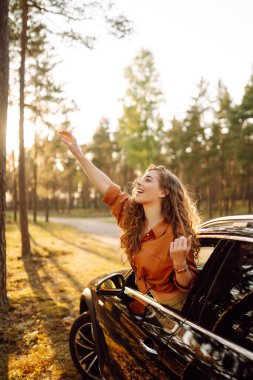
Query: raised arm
point(98, 178)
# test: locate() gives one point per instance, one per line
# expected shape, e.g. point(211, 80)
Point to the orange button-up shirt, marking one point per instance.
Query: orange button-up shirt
point(152, 264)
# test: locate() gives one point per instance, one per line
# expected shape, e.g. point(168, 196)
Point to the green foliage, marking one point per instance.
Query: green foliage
point(44, 98)
point(72, 14)
point(210, 148)
point(140, 126)
point(102, 147)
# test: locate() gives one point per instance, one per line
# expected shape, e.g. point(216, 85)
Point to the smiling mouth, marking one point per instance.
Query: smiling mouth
point(139, 191)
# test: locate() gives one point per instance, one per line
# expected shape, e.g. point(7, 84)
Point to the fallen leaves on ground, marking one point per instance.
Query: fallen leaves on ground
point(44, 291)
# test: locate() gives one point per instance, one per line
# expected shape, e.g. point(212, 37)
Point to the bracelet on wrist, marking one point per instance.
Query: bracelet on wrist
point(181, 270)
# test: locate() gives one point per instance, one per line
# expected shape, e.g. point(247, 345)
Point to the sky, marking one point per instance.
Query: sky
point(189, 39)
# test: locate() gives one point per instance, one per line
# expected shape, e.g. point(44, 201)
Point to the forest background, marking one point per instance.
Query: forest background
point(210, 148)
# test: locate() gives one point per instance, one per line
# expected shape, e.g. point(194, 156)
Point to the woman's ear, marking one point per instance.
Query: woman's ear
point(163, 193)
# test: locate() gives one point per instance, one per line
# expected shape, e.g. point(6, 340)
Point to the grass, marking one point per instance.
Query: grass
point(44, 292)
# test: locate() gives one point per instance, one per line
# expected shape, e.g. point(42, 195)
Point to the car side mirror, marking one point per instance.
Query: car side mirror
point(111, 285)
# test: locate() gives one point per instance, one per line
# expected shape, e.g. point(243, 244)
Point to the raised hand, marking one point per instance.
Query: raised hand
point(179, 250)
point(99, 179)
point(70, 141)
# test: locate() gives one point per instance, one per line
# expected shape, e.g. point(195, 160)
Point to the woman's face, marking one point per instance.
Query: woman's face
point(147, 189)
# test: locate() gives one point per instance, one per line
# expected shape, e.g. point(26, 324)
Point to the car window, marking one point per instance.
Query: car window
point(236, 324)
point(232, 282)
point(206, 249)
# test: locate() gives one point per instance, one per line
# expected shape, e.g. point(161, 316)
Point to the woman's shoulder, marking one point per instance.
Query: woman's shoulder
point(114, 194)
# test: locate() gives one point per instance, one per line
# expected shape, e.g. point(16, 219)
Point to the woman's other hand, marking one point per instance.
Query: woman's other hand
point(70, 141)
point(179, 250)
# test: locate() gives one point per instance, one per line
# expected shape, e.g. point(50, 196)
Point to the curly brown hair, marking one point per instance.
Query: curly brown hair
point(178, 209)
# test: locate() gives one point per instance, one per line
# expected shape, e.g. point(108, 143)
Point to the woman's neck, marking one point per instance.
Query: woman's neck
point(153, 216)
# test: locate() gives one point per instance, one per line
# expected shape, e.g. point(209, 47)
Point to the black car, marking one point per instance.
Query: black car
point(211, 338)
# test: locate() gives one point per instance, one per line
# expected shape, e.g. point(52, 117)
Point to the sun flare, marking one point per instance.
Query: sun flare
point(12, 136)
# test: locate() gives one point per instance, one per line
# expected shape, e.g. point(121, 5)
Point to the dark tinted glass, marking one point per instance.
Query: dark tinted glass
point(207, 258)
point(230, 289)
point(237, 323)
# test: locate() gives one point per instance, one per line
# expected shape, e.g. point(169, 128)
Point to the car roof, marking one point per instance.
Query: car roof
point(238, 225)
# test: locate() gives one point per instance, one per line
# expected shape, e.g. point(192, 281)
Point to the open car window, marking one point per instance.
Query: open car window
point(207, 247)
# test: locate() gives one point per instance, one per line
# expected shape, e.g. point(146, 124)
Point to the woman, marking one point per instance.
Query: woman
point(157, 228)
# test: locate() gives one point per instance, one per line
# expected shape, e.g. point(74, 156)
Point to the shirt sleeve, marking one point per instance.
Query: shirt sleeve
point(116, 200)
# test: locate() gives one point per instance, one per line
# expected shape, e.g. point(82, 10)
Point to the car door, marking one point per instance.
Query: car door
point(135, 343)
point(175, 359)
point(201, 354)
point(132, 325)
point(201, 346)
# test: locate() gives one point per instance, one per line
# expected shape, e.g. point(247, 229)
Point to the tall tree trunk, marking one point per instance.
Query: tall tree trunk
point(85, 195)
point(4, 84)
point(47, 210)
point(22, 182)
point(250, 204)
point(70, 199)
point(34, 190)
point(210, 201)
point(14, 188)
point(249, 192)
point(15, 198)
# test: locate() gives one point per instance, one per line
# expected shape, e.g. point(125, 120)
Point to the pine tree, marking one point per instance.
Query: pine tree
point(22, 173)
point(44, 100)
point(4, 81)
point(221, 154)
point(173, 147)
point(140, 127)
point(194, 136)
point(102, 151)
point(70, 12)
point(244, 123)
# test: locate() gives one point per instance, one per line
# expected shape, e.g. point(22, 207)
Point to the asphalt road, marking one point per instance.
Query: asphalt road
point(103, 228)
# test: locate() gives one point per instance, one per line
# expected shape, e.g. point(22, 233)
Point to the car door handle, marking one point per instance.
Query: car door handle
point(145, 345)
